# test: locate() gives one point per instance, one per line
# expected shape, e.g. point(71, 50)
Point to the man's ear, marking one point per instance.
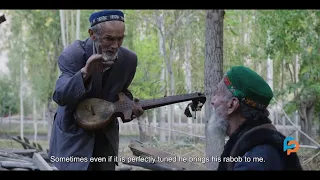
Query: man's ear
point(233, 105)
point(91, 34)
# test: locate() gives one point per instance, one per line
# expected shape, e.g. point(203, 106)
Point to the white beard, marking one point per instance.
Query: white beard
point(109, 57)
point(215, 140)
point(105, 55)
point(217, 122)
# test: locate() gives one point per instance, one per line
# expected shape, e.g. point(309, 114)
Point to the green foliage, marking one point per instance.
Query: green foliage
point(38, 42)
point(147, 83)
point(290, 107)
point(85, 24)
point(294, 32)
point(286, 28)
point(8, 99)
point(34, 40)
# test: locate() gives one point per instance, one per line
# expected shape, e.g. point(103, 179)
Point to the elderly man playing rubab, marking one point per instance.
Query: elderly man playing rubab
point(97, 67)
point(240, 109)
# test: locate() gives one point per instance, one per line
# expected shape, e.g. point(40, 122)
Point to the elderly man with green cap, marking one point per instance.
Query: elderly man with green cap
point(240, 109)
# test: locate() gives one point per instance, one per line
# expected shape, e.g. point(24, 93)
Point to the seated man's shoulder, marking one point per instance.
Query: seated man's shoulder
point(262, 157)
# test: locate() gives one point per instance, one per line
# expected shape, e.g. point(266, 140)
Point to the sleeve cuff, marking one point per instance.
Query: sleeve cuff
point(82, 88)
point(88, 85)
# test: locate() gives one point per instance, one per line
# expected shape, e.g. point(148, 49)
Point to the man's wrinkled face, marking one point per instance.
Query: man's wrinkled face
point(110, 39)
point(220, 101)
point(220, 107)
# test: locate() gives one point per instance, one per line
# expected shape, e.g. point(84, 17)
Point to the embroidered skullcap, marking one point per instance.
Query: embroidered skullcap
point(106, 15)
point(248, 86)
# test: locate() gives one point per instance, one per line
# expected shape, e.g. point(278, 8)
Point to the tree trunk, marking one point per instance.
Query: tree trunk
point(150, 123)
point(318, 124)
point(62, 26)
point(73, 31)
point(67, 26)
point(310, 113)
point(21, 99)
point(78, 25)
point(163, 113)
point(306, 111)
point(270, 78)
point(187, 67)
point(215, 140)
point(141, 124)
point(35, 124)
point(44, 117)
point(63, 33)
point(168, 107)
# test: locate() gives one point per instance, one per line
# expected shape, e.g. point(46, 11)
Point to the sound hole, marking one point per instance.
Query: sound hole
point(90, 109)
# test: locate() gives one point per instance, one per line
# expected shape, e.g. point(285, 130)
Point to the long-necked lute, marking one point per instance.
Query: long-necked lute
point(96, 113)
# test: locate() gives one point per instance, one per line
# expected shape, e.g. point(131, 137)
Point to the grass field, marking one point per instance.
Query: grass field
point(5, 143)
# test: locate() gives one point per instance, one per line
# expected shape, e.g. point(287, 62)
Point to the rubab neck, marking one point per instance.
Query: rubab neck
point(154, 103)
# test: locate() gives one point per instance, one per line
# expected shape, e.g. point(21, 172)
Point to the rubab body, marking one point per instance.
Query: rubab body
point(94, 113)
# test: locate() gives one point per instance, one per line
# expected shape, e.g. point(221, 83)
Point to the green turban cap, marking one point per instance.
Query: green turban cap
point(248, 86)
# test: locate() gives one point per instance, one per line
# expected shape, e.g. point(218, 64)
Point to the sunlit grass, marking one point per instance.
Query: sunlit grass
point(11, 144)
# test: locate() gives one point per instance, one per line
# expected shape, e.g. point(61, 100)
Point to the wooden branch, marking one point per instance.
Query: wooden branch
point(159, 24)
point(26, 144)
point(41, 163)
point(12, 159)
point(23, 152)
point(310, 159)
point(139, 149)
point(11, 164)
point(14, 156)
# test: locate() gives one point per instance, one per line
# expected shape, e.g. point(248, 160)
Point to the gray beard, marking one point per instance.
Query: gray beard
point(109, 57)
point(215, 140)
point(105, 55)
point(217, 123)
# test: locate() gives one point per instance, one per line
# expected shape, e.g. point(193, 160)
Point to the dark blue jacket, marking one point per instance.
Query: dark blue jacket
point(271, 159)
point(261, 147)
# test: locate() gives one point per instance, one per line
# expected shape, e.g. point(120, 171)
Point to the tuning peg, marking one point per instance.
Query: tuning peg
point(187, 111)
